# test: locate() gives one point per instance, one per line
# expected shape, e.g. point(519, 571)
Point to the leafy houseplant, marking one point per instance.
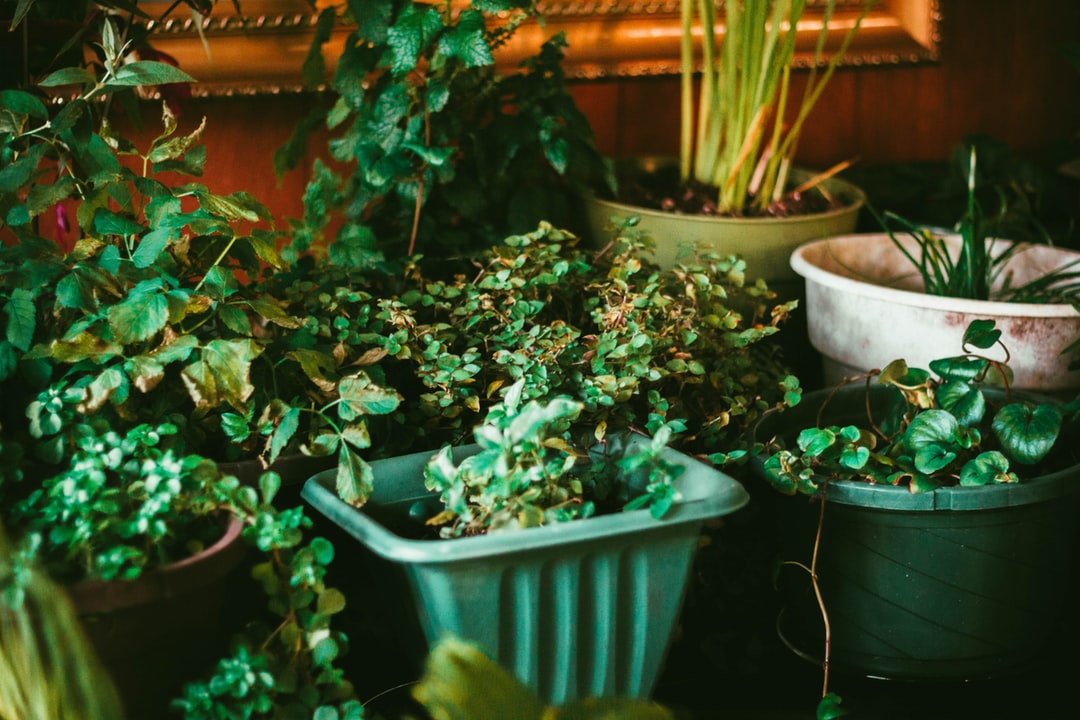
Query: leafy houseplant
point(928, 282)
point(740, 145)
point(521, 509)
point(161, 309)
point(939, 490)
point(448, 154)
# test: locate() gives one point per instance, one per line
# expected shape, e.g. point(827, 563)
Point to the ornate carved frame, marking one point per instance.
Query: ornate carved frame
point(262, 50)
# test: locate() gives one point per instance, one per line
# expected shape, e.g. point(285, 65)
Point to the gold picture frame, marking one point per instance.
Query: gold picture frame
point(261, 50)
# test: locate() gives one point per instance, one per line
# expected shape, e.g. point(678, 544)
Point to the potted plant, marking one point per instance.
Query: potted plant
point(927, 283)
point(734, 187)
point(163, 306)
point(576, 601)
point(937, 494)
point(443, 152)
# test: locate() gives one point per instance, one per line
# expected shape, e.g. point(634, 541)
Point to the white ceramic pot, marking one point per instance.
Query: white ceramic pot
point(865, 307)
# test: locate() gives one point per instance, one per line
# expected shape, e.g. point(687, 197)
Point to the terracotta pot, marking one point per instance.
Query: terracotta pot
point(865, 307)
point(156, 632)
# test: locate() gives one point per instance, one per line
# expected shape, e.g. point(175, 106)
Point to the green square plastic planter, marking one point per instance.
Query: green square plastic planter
point(575, 610)
point(956, 584)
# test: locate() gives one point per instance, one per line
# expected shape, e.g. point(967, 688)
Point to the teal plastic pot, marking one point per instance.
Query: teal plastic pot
point(955, 584)
point(575, 610)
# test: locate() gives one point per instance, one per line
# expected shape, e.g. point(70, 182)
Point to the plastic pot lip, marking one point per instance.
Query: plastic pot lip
point(724, 496)
point(803, 265)
point(835, 184)
point(1042, 488)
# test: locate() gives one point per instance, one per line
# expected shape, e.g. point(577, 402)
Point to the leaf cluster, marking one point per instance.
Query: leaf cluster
point(637, 347)
point(979, 268)
point(529, 471)
point(938, 428)
point(444, 151)
point(162, 309)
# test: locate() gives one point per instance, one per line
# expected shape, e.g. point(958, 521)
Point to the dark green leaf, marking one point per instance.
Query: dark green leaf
point(360, 396)
point(929, 427)
point(814, 441)
point(965, 401)
point(412, 32)
point(23, 103)
point(107, 222)
point(20, 313)
point(69, 76)
point(151, 245)
point(465, 41)
point(283, 433)
point(1027, 434)
point(981, 334)
point(985, 469)
point(141, 315)
point(9, 360)
point(960, 367)
point(148, 72)
point(933, 457)
point(355, 479)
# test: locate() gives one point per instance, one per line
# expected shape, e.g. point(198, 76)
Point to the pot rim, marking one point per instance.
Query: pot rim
point(802, 264)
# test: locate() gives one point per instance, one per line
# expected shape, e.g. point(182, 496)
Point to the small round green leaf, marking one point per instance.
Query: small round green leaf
point(988, 468)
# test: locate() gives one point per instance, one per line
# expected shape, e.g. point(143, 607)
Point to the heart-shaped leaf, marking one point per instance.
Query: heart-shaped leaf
point(965, 401)
point(931, 427)
point(985, 469)
point(814, 441)
point(1027, 434)
point(933, 457)
point(981, 334)
point(961, 367)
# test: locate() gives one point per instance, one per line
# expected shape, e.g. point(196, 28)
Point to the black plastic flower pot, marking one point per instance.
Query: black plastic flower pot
point(955, 584)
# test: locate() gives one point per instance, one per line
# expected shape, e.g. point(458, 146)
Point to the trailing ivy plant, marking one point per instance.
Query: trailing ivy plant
point(938, 428)
point(445, 152)
point(941, 430)
point(529, 471)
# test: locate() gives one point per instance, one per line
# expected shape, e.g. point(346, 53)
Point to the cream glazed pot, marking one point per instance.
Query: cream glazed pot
point(865, 307)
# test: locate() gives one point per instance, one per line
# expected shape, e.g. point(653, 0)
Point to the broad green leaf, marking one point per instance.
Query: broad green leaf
point(69, 76)
point(414, 29)
point(141, 315)
point(965, 401)
point(44, 196)
point(981, 334)
point(222, 374)
point(461, 682)
point(283, 433)
point(361, 396)
point(814, 441)
point(21, 322)
point(985, 469)
point(236, 206)
point(929, 427)
point(269, 484)
point(151, 245)
point(960, 367)
point(1027, 434)
point(107, 222)
point(465, 40)
point(933, 457)
point(23, 103)
point(235, 319)
point(357, 435)
point(854, 457)
point(355, 479)
point(148, 72)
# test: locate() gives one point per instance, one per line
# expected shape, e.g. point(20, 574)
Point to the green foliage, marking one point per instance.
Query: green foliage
point(529, 472)
point(741, 144)
point(448, 153)
point(460, 682)
point(162, 309)
point(978, 268)
point(938, 430)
